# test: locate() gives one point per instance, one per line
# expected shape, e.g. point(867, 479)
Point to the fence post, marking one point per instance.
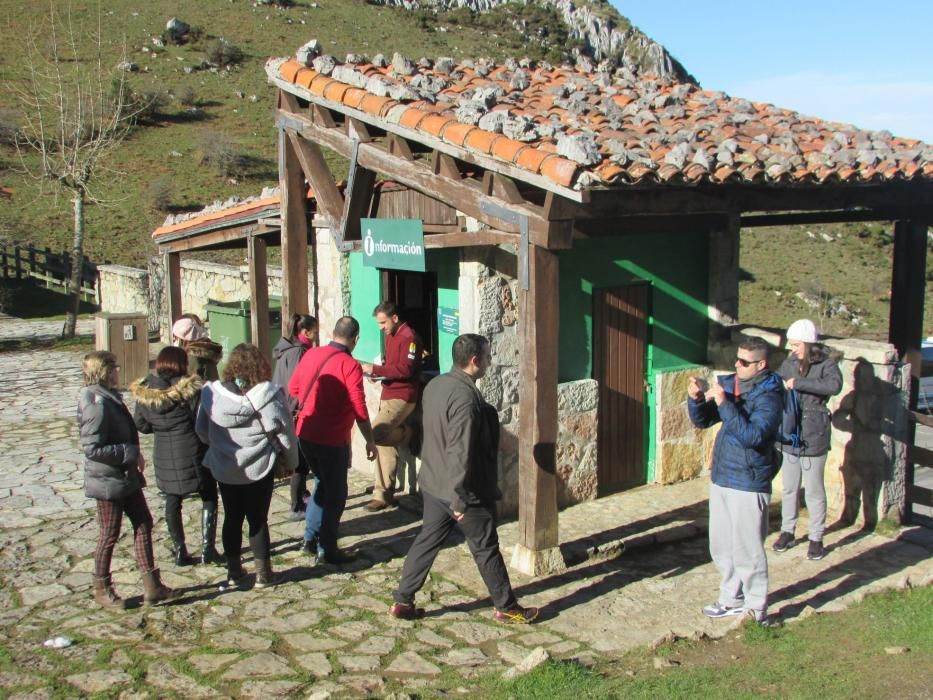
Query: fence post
point(3, 258)
point(32, 259)
point(18, 261)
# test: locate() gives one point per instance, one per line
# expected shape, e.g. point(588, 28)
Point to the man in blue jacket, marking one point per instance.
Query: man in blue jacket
point(749, 403)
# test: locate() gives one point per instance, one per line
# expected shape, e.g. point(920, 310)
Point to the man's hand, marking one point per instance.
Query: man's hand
point(696, 388)
point(716, 393)
point(458, 516)
point(791, 383)
point(370, 450)
point(141, 464)
point(367, 367)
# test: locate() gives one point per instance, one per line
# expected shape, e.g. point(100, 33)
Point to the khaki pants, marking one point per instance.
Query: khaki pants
point(389, 432)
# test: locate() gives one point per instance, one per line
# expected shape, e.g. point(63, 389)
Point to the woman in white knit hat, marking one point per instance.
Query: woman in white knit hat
point(815, 377)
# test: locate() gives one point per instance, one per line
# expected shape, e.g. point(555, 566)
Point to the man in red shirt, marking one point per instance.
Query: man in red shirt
point(399, 373)
point(328, 385)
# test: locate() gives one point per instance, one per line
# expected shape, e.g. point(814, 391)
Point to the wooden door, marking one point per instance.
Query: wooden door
point(620, 337)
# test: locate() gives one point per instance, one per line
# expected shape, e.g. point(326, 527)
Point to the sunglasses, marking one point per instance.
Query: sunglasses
point(746, 363)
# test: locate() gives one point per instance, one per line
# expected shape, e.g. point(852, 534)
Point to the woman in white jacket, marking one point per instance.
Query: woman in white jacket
point(245, 420)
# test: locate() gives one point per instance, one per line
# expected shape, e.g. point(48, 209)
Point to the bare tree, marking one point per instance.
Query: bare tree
point(75, 111)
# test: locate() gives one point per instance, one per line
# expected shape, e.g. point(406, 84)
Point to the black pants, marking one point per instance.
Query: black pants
point(299, 483)
point(479, 528)
point(207, 491)
point(250, 502)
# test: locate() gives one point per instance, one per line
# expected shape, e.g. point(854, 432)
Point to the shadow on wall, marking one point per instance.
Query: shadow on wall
point(867, 462)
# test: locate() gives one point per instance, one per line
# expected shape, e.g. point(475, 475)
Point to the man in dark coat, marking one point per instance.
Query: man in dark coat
point(459, 475)
point(749, 404)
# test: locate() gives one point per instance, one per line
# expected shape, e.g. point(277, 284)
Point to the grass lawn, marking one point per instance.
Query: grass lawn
point(837, 655)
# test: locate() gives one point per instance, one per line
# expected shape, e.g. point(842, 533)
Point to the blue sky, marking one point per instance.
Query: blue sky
point(862, 62)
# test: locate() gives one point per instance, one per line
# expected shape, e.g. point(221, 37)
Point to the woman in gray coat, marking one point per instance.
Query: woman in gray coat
point(113, 476)
point(166, 405)
point(815, 377)
point(245, 421)
point(287, 353)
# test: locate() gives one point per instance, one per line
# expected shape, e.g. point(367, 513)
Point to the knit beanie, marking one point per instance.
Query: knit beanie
point(802, 330)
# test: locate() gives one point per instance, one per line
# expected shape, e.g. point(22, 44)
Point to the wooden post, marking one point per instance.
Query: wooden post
point(905, 322)
point(259, 295)
point(172, 264)
point(32, 260)
point(18, 261)
point(294, 232)
point(537, 551)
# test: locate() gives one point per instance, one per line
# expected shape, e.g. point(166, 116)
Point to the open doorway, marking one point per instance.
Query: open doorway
point(416, 295)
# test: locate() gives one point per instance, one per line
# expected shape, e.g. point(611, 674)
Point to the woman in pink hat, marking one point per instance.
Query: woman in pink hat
point(203, 353)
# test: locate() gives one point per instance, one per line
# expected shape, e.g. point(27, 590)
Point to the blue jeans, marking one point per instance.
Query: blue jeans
point(322, 516)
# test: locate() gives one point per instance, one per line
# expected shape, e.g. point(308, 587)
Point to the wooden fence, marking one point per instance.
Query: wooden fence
point(54, 269)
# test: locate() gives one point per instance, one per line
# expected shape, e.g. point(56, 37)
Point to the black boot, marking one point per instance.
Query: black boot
point(209, 554)
point(297, 492)
point(176, 532)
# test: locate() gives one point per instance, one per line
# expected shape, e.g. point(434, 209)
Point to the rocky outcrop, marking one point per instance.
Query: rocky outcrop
point(601, 34)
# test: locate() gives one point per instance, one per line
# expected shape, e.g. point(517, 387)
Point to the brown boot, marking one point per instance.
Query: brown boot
point(265, 577)
point(154, 592)
point(105, 595)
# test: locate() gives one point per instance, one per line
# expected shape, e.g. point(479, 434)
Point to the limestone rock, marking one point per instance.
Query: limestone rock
point(307, 52)
point(99, 681)
point(409, 663)
point(530, 662)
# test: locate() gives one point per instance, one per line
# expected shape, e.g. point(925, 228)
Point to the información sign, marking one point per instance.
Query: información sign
point(396, 244)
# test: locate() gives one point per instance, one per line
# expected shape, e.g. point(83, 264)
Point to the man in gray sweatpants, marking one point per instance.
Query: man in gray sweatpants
point(749, 404)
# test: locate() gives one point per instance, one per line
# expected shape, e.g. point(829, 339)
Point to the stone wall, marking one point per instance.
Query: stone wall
point(124, 290)
point(127, 289)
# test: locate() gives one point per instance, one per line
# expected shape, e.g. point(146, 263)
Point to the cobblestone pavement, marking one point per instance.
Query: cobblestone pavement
point(325, 629)
point(12, 328)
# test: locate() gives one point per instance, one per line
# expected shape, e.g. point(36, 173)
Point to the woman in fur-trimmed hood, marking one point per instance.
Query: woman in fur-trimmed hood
point(166, 406)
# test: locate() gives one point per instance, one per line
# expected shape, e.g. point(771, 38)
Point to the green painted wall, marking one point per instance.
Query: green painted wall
point(446, 263)
point(676, 267)
point(366, 293)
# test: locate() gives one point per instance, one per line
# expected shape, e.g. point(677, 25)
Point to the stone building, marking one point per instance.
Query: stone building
point(588, 224)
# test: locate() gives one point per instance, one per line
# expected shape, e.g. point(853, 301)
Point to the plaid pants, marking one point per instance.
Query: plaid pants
point(110, 518)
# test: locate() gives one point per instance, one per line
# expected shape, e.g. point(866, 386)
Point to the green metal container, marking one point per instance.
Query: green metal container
point(229, 323)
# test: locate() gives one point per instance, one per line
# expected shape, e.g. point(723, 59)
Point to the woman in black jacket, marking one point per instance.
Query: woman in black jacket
point(287, 353)
point(167, 405)
point(815, 377)
point(113, 475)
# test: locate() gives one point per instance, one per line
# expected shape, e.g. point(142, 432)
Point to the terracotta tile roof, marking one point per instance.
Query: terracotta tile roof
point(222, 214)
point(593, 129)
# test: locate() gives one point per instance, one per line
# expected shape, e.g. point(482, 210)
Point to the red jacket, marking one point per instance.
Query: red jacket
point(336, 401)
point(402, 365)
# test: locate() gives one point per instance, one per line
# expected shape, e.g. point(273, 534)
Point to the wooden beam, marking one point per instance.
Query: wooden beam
point(623, 201)
point(321, 116)
point(502, 187)
point(259, 295)
point(209, 239)
point(908, 291)
point(463, 195)
point(399, 147)
point(824, 217)
point(358, 130)
point(294, 228)
point(537, 550)
point(330, 202)
point(660, 224)
point(172, 264)
point(358, 201)
point(445, 166)
point(464, 239)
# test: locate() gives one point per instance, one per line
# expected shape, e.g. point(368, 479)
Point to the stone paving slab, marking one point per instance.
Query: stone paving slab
point(640, 571)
